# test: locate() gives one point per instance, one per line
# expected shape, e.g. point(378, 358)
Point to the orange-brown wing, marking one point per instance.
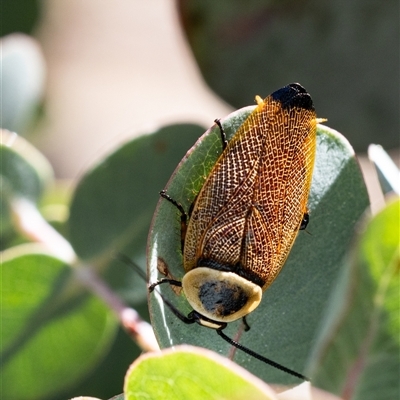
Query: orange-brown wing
point(281, 191)
point(251, 205)
point(219, 214)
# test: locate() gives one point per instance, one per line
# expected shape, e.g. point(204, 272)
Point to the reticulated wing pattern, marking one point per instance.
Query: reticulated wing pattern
point(250, 208)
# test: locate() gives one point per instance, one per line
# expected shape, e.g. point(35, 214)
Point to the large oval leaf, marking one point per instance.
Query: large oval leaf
point(191, 373)
point(283, 327)
point(25, 173)
point(357, 353)
point(113, 203)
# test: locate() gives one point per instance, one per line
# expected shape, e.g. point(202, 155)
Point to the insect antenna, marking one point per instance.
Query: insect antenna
point(259, 356)
point(153, 287)
point(193, 317)
point(127, 261)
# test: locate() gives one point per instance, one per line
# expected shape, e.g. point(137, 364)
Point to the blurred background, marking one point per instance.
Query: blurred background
point(81, 77)
point(103, 72)
point(112, 70)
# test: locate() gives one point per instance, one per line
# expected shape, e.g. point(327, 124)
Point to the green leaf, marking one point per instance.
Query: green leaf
point(191, 373)
point(25, 173)
point(283, 327)
point(22, 77)
point(357, 353)
point(53, 332)
point(113, 203)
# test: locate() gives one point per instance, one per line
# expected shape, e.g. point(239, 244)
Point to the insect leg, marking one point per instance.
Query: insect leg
point(223, 135)
point(164, 280)
point(176, 312)
point(305, 221)
point(184, 216)
point(126, 260)
point(246, 325)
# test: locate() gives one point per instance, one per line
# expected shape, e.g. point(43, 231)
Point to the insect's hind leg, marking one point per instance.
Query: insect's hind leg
point(223, 134)
point(184, 216)
point(179, 206)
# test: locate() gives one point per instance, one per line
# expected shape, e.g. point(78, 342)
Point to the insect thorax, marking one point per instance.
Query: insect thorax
point(219, 295)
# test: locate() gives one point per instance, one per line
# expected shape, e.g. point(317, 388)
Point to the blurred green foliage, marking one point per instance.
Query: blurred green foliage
point(345, 53)
point(19, 16)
